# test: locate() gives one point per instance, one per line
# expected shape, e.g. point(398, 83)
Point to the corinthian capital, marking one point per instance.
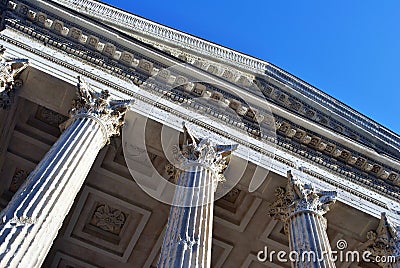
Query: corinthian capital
point(9, 70)
point(98, 105)
point(300, 197)
point(204, 152)
point(385, 241)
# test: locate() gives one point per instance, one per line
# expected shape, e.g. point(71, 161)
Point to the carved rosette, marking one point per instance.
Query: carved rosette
point(300, 197)
point(99, 106)
point(9, 70)
point(18, 179)
point(108, 219)
point(203, 152)
point(385, 241)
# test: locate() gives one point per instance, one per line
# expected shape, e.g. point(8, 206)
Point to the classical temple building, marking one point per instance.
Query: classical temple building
point(125, 143)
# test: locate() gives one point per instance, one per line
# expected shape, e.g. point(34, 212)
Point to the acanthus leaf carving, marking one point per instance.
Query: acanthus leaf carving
point(385, 241)
point(9, 70)
point(204, 152)
point(98, 105)
point(300, 197)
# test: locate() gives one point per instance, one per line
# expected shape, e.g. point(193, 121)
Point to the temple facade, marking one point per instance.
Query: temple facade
point(126, 143)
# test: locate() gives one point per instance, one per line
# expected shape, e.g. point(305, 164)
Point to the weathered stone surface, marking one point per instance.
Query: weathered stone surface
point(188, 237)
point(48, 194)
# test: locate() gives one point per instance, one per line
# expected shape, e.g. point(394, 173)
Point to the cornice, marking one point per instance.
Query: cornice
point(163, 34)
point(105, 49)
point(276, 92)
point(142, 69)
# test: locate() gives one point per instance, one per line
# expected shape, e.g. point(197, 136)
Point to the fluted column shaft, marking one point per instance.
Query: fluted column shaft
point(33, 217)
point(301, 208)
point(189, 230)
point(188, 237)
point(308, 237)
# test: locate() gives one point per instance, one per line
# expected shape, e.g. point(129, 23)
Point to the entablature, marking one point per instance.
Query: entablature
point(235, 66)
point(114, 48)
point(64, 44)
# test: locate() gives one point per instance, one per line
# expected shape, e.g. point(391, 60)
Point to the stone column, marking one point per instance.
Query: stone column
point(188, 237)
point(33, 217)
point(9, 72)
point(301, 208)
point(385, 244)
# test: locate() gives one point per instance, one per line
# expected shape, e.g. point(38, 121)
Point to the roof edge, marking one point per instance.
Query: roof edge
point(105, 12)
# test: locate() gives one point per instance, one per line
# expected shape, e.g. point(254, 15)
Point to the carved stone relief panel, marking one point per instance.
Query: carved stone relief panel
point(109, 219)
point(106, 224)
point(18, 179)
point(12, 179)
point(49, 117)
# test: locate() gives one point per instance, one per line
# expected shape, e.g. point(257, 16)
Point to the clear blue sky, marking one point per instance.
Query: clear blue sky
point(349, 49)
